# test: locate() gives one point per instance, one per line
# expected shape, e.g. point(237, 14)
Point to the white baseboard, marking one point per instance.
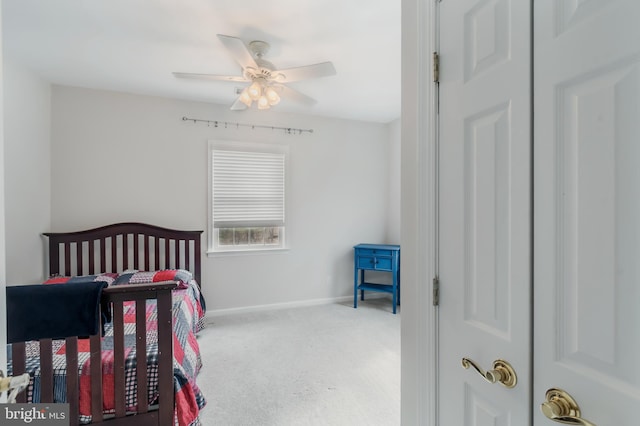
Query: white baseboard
point(211, 313)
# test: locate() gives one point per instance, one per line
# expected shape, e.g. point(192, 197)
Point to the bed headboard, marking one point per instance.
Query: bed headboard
point(123, 246)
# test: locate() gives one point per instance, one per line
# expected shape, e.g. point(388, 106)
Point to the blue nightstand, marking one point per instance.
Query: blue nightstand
point(376, 257)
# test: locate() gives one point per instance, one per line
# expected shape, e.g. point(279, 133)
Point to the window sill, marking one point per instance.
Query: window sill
point(248, 252)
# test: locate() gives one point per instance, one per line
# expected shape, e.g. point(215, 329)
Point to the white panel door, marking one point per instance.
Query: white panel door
point(484, 209)
point(587, 207)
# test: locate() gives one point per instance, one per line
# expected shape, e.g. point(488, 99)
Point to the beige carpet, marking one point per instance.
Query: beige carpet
point(321, 365)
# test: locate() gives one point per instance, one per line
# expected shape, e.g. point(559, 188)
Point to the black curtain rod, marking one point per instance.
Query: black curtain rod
point(227, 124)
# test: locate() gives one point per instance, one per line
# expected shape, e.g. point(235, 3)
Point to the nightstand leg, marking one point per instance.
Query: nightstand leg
point(398, 275)
point(395, 297)
point(395, 292)
point(355, 288)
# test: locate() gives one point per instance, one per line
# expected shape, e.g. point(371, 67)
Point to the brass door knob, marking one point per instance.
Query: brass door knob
point(560, 407)
point(502, 372)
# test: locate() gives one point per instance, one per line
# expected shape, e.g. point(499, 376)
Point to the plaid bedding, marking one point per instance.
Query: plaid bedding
point(187, 321)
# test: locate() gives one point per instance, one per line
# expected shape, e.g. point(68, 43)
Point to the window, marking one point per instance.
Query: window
point(247, 196)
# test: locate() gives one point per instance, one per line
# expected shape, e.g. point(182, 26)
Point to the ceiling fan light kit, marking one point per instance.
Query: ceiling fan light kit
point(267, 83)
point(260, 91)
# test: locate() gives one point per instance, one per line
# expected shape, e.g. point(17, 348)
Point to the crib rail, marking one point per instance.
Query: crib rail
point(116, 295)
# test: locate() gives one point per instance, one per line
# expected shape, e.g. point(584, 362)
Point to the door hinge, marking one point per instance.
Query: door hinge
point(436, 291)
point(436, 67)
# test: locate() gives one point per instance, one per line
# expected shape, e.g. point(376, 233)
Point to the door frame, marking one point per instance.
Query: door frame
point(3, 298)
point(419, 325)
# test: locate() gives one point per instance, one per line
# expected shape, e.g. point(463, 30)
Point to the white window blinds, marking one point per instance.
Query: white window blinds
point(248, 189)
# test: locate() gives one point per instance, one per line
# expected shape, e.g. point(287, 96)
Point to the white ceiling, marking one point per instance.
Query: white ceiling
point(135, 45)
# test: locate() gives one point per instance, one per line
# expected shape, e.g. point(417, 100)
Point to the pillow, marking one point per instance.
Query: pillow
point(107, 277)
point(181, 276)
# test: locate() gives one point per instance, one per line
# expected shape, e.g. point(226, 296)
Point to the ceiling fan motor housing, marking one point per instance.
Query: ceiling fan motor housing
point(259, 49)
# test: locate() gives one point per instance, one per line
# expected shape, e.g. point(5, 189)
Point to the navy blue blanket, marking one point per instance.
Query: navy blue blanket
point(53, 311)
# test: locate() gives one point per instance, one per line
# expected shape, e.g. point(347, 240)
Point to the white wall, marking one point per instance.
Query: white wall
point(27, 172)
point(120, 157)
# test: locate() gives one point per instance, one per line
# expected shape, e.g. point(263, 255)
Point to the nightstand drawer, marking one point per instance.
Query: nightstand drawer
point(373, 252)
point(374, 262)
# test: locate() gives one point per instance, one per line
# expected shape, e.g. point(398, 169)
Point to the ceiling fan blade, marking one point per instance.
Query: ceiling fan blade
point(236, 78)
point(239, 51)
point(238, 105)
point(296, 96)
point(323, 69)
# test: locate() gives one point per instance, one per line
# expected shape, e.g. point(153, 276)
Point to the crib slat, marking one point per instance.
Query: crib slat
point(114, 255)
point(165, 355)
point(19, 363)
point(96, 378)
point(118, 358)
point(71, 348)
point(176, 256)
point(136, 251)
point(46, 371)
point(197, 259)
point(146, 244)
point(67, 259)
point(102, 266)
point(125, 252)
point(92, 258)
point(187, 259)
point(79, 260)
point(141, 355)
point(167, 255)
point(156, 254)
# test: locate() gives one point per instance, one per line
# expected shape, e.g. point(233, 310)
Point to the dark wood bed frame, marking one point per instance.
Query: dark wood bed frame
point(116, 248)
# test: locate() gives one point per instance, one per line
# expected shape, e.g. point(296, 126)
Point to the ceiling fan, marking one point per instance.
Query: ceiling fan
point(268, 84)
